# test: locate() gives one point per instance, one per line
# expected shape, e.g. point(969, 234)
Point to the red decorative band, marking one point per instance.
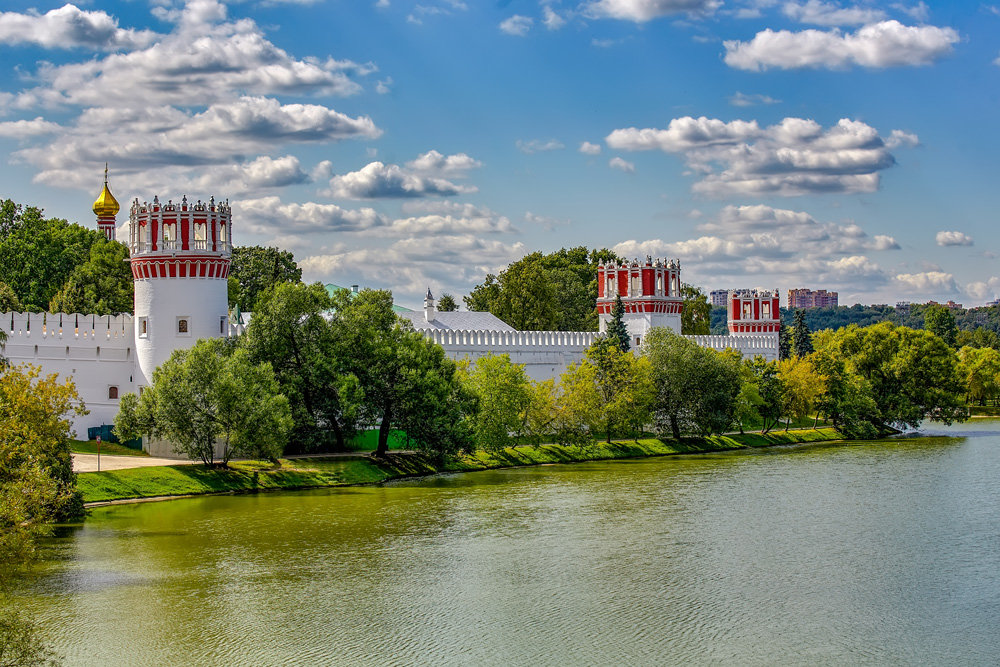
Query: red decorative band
point(179, 267)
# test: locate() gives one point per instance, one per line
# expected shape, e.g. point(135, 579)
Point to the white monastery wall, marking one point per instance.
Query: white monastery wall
point(96, 352)
point(545, 354)
point(765, 345)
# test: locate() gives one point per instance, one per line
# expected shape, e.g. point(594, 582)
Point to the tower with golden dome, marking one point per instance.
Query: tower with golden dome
point(106, 209)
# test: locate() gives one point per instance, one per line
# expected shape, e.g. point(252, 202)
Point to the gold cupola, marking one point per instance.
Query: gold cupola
point(106, 205)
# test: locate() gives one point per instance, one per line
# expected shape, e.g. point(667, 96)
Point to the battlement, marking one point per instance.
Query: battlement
point(505, 341)
point(73, 329)
point(753, 293)
point(747, 345)
point(657, 263)
point(199, 229)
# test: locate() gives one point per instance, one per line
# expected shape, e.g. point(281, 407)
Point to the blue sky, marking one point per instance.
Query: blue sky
point(404, 144)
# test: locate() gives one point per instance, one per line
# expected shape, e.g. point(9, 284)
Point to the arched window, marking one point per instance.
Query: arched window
point(659, 284)
point(113, 393)
point(635, 289)
point(610, 290)
point(200, 236)
point(182, 326)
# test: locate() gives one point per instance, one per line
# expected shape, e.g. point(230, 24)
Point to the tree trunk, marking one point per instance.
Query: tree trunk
point(383, 431)
point(675, 427)
point(338, 435)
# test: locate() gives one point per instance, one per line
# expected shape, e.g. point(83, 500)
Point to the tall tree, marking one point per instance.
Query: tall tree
point(208, 394)
point(503, 391)
point(102, 285)
point(784, 342)
point(298, 330)
point(940, 321)
point(8, 299)
point(447, 304)
point(803, 386)
point(617, 331)
point(696, 316)
point(771, 390)
point(256, 268)
point(802, 344)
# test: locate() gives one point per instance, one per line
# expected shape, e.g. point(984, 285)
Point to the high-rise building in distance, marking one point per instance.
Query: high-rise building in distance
point(807, 298)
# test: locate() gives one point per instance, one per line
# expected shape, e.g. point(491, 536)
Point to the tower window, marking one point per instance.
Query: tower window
point(765, 310)
point(634, 289)
point(182, 325)
point(610, 291)
point(143, 327)
point(222, 325)
point(747, 310)
point(113, 393)
point(659, 283)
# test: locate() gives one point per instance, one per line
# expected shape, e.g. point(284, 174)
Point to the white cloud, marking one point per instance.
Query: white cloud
point(983, 289)
point(883, 44)
point(588, 148)
point(551, 19)
point(377, 180)
point(795, 157)
point(437, 163)
point(539, 145)
point(926, 281)
point(517, 25)
point(952, 238)
point(19, 129)
point(818, 12)
point(268, 215)
point(641, 11)
point(621, 165)
point(743, 100)
point(70, 27)
point(898, 139)
point(917, 12)
point(383, 86)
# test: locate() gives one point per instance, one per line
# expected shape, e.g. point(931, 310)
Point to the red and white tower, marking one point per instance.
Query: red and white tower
point(180, 265)
point(106, 208)
point(650, 292)
point(754, 311)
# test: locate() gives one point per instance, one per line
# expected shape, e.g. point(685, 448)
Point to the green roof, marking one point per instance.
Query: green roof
point(331, 288)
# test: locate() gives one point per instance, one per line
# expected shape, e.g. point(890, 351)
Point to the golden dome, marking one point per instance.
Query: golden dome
point(106, 204)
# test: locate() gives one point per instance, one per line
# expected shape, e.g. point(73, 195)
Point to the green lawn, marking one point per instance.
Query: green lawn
point(109, 448)
point(245, 476)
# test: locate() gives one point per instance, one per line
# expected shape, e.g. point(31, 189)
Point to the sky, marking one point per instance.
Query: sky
point(407, 144)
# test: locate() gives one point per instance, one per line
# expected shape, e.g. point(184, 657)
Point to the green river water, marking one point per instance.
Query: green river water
point(873, 553)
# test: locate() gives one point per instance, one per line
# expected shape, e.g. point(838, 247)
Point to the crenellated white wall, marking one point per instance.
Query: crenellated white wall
point(545, 354)
point(97, 352)
point(749, 345)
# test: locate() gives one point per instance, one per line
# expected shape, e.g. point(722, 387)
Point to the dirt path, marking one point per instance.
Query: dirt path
point(88, 462)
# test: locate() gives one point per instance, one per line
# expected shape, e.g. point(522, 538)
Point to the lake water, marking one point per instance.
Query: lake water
point(873, 553)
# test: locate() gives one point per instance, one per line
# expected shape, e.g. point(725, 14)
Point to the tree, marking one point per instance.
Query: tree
point(980, 368)
point(847, 398)
point(504, 394)
point(912, 374)
point(102, 285)
point(37, 486)
point(940, 321)
point(801, 337)
point(803, 386)
point(407, 381)
point(447, 304)
point(208, 394)
point(8, 299)
point(617, 332)
point(256, 268)
point(696, 313)
point(542, 292)
point(310, 356)
point(784, 342)
point(771, 390)
point(542, 415)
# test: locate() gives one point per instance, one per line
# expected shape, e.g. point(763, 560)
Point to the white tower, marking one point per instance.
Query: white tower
point(180, 265)
point(650, 293)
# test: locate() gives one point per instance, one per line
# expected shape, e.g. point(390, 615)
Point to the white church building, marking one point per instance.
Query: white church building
point(180, 255)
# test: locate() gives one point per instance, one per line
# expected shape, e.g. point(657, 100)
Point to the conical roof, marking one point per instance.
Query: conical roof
point(106, 204)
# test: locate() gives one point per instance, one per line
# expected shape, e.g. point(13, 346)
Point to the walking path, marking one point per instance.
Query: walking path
point(88, 462)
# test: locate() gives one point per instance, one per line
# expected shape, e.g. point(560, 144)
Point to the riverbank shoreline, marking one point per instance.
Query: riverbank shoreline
point(152, 484)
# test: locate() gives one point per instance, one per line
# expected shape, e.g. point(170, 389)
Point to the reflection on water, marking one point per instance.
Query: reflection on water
point(863, 553)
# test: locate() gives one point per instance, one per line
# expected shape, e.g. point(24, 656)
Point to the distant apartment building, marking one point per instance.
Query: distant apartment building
point(718, 297)
point(807, 298)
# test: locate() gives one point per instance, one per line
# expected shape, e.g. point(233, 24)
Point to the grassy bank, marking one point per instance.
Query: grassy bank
point(246, 476)
point(984, 411)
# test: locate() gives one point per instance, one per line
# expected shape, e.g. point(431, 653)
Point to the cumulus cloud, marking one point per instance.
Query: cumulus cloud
point(269, 215)
point(408, 266)
point(926, 281)
point(641, 11)
point(983, 289)
point(743, 100)
point(437, 163)
point(795, 157)
point(70, 27)
point(830, 14)
point(539, 145)
point(952, 238)
point(621, 165)
point(588, 148)
point(377, 180)
point(517, 25)
point(877, 45)
point(552, 19)
point(21, 129)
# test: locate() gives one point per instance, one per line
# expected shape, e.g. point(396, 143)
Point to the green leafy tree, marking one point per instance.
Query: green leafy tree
point(802, 344)
point(310, 355)
point(617, 332)
point(748, 400)
point(696, 314)
point(542, 415)
point(447, 304)
point(14, 216)
point(102, 285)
point(784, 342)
point(8, 299)
point(545, 292)
point(803, 387)
point(208, 394)
point(940, 321)
point(39, 256)
point(771, 390)
point(980, 368)
point(979, 337)
point(912, 374)
point(257, 268)
point(847, 399)
point(504, 394)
